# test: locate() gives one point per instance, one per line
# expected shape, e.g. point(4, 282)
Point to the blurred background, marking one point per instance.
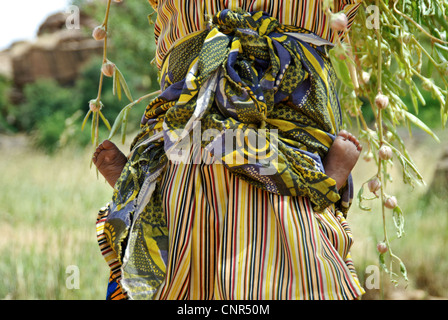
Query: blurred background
point(50, 194)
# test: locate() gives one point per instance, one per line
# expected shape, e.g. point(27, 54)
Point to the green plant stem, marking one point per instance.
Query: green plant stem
point(425, 52)
point(100, 85)
point(436, 41)
point(417, 25)
point(437, 65)
point(386, 10)
point(381, 178)
point(379, 119)
point(106, 18)
point(380, 56)
point(129, 106)
point(97, 129)
point(105, 25)
point(381, 285)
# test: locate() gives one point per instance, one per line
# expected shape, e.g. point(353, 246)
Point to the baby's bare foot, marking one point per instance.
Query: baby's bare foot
point(342, 157)
point(110, 161)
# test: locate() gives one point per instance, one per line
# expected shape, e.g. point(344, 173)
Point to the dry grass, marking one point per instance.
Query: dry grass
point(48, 208)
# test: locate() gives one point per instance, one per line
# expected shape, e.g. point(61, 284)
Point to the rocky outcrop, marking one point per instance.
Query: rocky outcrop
point(57, 52)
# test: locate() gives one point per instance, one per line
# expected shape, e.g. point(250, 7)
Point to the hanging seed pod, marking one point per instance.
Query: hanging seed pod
point(382, 247)
point(95, 105)
point(99, 33)
point(385, 153)
point(381, 101)
point(368, 156)
point(365, 77)
point(391, 202)
point(374, 185)
point(108, 68)
point(339, 22)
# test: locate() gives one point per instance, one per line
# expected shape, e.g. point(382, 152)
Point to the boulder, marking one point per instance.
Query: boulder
point(57, 52)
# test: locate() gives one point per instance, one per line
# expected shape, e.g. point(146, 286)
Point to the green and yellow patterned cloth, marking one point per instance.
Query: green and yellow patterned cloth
point(257, 97)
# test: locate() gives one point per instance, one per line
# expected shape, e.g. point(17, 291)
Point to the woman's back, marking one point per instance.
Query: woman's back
point(178, 18)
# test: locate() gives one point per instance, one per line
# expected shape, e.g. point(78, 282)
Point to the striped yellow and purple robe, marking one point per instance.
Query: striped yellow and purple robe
point(188, 222)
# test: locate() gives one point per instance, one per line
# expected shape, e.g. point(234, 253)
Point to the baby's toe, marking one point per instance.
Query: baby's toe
point(344, 134)
point(352, 138)
point(99, 149)
point(107, 144)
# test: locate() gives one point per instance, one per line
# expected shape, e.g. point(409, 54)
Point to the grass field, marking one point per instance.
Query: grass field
point(48, 208)
point(47, 212)
point(422, 247)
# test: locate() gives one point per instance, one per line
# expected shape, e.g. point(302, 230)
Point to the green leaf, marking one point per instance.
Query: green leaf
point(403, 271)
point(341, 69)
point(439, 16)
point(85, 120)
point(382, 262)
point(117, 123)
point(106, 122)
point(441, 50)
point(437, 92)
point(361, 199)
point(407, 164)
point(417, 93)
point(394, 85)
point(414, 101)
point(124, 85)
point(398, 218)
point(445, 110)
point(124, 125)
point(419, 123)
point(116, 84)
point(93, 128)
point(119, 89)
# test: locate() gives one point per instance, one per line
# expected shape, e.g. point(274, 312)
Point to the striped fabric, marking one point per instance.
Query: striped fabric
point(231, 240)
point(201, 230)
point(114, 291)
point(178, 18)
